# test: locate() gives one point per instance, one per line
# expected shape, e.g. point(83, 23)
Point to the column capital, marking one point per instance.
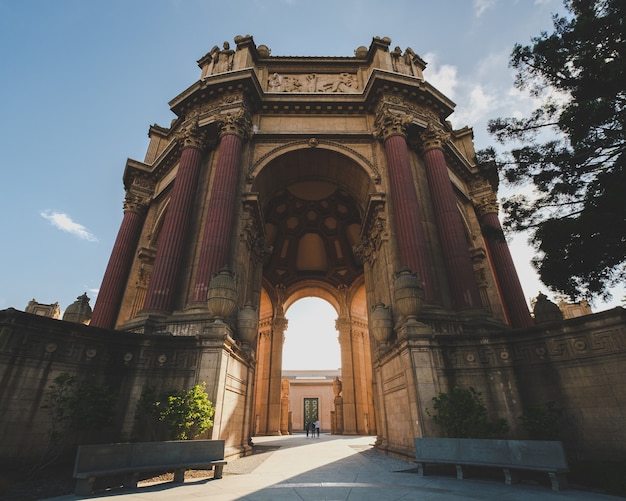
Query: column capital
point(391, 123)
point(235, 122)
point(433, 138)
point(192, 136)
point(484, 198)
point(139, 191)
point(280, 324)
point(136, 202)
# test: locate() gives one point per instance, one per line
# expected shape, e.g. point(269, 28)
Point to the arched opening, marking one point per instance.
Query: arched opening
point(311, 364)
point(311, 342)
point(313, 354)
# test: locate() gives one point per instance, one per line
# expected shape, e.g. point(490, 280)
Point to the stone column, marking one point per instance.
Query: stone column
point(115, 277)
point(216, 237)
point(279, 326)
point(344, 326)
point(284, 407)
point(407, 214)
point(452, 237)
point(160, 294)
point(508, 280)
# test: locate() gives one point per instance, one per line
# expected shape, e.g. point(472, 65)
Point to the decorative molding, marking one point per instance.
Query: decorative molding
point(313, 83)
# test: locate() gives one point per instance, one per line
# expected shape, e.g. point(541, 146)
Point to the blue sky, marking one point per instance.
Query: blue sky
point(82, 81)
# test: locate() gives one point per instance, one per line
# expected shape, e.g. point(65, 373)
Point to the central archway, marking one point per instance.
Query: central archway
point(313, 202)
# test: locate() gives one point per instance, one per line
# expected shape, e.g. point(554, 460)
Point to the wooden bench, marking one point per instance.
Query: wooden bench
point(132, 459)
point(510, 455)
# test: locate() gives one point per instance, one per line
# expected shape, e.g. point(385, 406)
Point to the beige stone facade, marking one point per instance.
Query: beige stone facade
point(336, 177)
point(310, 387)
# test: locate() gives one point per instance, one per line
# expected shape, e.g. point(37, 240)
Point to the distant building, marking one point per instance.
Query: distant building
point(45, 310)
point(311, 397)
point(573, 310)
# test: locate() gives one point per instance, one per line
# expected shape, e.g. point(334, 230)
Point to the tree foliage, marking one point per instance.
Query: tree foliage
point(74, 405)
point(462, 414)
point(185, 413)
point(570, 150)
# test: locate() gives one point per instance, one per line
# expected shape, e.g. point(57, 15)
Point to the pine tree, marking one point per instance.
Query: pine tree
point(570, 150)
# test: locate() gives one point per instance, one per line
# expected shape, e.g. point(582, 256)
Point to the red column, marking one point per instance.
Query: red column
point(218, 226)
point(452, 237)
point(408, 219)
point(506, 275)
point(160, 294)
point(111, 292)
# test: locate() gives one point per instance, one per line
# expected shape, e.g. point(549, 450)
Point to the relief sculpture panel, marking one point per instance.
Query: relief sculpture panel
point(313, 83)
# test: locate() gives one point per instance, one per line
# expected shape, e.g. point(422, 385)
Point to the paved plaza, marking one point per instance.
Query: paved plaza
point(334, 468)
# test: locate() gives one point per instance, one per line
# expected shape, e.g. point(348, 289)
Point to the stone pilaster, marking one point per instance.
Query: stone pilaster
point(454, 244)
point(171, 242)
point(279, 326)
point(344, 327)
point(214, 253)
point(391, 128)
point(504, 268)
point(111, 293)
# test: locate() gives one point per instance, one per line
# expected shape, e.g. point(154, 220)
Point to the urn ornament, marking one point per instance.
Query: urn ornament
point(222, 295)
point(408, 293)
point(381, 323)
point(247, 324)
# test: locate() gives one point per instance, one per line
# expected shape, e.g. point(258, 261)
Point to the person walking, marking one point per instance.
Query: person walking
point(317, 427)
point(306, 427)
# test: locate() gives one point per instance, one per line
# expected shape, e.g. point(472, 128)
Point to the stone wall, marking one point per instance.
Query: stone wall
point(579, 364)
point(34, 350)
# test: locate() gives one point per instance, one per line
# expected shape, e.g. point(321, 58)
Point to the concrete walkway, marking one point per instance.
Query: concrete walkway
point(333, 468)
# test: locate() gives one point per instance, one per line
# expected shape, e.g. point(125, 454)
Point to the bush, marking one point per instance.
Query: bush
point(462, 414)
point(184, 413)
point(74, 406)
point(542, 421)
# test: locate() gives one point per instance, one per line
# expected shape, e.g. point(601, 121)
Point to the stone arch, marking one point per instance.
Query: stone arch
point(313, 198)
point(368, 166)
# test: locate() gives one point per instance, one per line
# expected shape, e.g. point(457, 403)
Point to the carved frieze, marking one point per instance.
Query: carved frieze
point(374, 231)
point(252, 231)
point(313, 83)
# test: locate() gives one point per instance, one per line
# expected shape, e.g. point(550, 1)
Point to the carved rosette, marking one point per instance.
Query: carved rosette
point(391, 123)
point(433, 137)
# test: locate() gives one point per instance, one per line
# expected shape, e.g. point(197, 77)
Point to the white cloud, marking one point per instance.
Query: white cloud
point(443, 78)
point(64, 223)
point(480, 6)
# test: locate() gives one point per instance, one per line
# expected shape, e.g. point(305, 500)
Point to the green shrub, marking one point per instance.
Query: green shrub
point(542, 421)
point(462, 414)
point(74, 406)
point(184, 413)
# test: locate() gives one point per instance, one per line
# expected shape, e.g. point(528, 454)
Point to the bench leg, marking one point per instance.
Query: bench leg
point(511, 476)
point(459, 472)
point(217, 470)
point(558, 481)
point(420, 469)
point(130, 480)
point(179, 475)
point(84, 486)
